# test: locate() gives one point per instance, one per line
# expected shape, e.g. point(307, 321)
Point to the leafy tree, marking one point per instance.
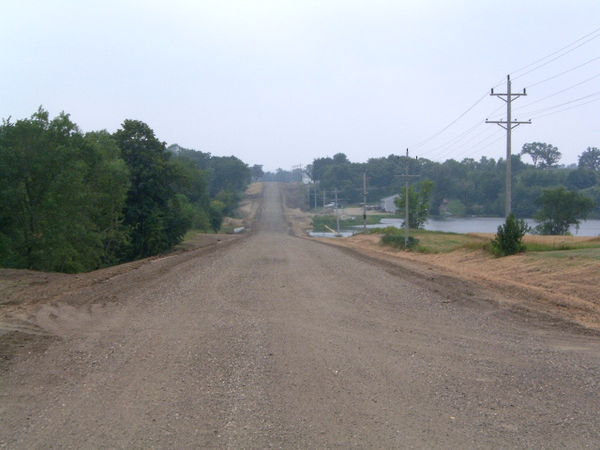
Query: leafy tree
point(590, 159)
point(543, 155)
point(561, 208)
point(257, 171)
point(62, 194)
point(228, 173)
point(581, 178)
point(154, 213)
point(418, 203)
point(509, 238)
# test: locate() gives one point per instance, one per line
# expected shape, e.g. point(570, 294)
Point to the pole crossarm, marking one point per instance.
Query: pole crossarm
point(504, 123)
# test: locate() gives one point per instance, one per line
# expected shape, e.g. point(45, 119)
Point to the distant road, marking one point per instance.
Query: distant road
point(278, 341)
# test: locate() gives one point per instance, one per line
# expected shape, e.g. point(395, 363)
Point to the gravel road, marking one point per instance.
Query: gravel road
point(274, 341)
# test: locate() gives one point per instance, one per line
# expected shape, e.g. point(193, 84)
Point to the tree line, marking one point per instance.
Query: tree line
point(74, 201)
point(462, 188)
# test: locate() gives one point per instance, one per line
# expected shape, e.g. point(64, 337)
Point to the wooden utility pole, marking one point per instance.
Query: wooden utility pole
point(406, 185)
point(337, 217)
point(508, 125)
point(365, 200)
point(407, 178)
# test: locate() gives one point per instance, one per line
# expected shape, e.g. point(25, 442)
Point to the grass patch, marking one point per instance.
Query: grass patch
point(190, 235)
point(437, 241)
point(441, 242)
point(582, 253)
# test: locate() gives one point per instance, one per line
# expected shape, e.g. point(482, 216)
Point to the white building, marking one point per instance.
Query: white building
point(388, 204)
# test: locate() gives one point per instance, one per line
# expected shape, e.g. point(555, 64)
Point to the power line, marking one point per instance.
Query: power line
point(459, 137)
point(497, 134)
point(448, 151)
point(535, 65)
point(594, 35)
point(476, 148)
point(537, 111)
point(564, 72)
point(566, 109)
point(420, 144)
point(561, 91)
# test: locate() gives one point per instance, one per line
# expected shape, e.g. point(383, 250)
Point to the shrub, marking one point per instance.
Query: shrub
point(509, 238)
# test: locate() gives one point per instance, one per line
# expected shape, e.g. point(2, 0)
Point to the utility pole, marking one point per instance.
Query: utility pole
point(337, 217)
point(316, 196)
point(406, 184)
point(324, 198)
point(406, 188)
point(365, 200)
point(508, 125)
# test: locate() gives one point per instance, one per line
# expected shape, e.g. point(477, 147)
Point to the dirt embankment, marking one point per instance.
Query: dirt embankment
point(562, 287)
point(22, 292)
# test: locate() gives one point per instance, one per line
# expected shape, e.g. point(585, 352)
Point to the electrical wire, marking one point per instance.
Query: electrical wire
point(563, 72)
point(420, 144)
point(593, 94)
point(535, 65)
point(566, 109)
point(520, 108)
point(491, 135)
point(462, 135)
point(477, 149)
point(594, 34)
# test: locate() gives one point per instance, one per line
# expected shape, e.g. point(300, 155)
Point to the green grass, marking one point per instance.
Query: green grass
point(581, 253)
point(442, 242)
point(562, 246)
point(437, 241)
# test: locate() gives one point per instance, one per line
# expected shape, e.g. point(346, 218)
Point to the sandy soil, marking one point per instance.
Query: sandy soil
point(271, 341)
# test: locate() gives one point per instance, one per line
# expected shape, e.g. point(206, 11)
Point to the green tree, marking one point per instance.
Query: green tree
point(61, 195)
point(561, 208)
point(257, 172)
point(509, 238)
point(543, 155)
point(582, 178)
point(418, 203)
point(155, 214)
point(590, 159)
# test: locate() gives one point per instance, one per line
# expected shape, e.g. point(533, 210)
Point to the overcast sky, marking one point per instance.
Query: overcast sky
point(282, 82)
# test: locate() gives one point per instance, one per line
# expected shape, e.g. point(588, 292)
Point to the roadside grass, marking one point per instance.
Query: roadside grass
point(581, 253)
point(436, 241)
point(442, 242)
point(566, 247)
point(190, 235)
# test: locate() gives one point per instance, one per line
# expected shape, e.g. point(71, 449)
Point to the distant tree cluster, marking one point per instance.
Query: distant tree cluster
point(467, 187)
point(73, 201)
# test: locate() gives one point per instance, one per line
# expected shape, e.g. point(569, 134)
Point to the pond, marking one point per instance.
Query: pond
point(484, 225)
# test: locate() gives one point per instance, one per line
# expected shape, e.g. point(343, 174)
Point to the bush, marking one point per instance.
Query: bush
point(508, 240)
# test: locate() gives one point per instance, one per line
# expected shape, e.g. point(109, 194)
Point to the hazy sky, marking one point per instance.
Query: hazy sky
point(281, 82)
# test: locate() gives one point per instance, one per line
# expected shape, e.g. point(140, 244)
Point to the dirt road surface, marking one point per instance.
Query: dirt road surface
point(274, 341)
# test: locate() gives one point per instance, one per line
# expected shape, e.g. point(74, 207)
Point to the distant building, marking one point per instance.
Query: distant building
point(388, 204)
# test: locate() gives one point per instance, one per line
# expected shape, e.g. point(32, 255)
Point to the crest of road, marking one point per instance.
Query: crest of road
point(278, 341)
